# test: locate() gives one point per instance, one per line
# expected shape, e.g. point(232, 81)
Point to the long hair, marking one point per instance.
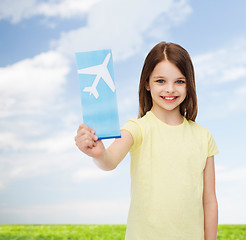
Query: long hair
point(181, 59)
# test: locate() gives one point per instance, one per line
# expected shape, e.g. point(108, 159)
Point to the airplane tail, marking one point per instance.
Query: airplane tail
point(91, 90)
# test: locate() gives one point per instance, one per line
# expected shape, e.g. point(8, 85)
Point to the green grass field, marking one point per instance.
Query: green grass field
point(93, 232)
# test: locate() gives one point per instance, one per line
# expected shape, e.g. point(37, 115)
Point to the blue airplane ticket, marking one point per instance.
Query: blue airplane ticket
point(98, 93)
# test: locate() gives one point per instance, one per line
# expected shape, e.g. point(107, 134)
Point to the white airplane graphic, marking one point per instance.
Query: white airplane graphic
point(101, 71)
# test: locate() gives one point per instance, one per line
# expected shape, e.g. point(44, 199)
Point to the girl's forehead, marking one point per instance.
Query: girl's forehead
point(166, 69)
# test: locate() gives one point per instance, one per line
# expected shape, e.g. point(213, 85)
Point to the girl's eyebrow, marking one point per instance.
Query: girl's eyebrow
point(159, 76)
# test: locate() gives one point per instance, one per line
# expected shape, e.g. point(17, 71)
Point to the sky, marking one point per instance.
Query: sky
point(44, 178)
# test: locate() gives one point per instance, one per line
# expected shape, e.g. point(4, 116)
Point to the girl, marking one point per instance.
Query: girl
point(172, 157)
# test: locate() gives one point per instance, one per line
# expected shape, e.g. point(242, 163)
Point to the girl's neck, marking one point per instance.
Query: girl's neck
point(172, 118)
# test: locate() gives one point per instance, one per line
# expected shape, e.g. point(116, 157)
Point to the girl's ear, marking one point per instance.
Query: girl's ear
point(147, 86)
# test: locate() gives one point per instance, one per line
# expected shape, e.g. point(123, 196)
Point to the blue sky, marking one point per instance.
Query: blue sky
point(44, 178)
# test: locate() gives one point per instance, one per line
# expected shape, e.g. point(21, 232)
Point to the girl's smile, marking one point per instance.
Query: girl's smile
point(169, 98)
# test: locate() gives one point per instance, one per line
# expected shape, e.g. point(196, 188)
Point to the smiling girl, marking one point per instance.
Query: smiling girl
point(172, 157)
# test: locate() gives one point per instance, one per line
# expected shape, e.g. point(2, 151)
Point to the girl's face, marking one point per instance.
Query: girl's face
point(167, 86)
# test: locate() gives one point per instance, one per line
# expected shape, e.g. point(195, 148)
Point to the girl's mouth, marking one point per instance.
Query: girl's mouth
point(169, 99)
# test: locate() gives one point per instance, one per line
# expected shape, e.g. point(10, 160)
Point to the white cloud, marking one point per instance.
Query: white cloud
point(122, 26)
point(55, 153)
point(238, 95)
point(1, 186)
point(85, 212)
point(230, 185)
point(60, 142)
point(64, 8)
point(220, 77)
point(8, 141)
point(223, 65)
point(30, 147)
point(224, 174)
point(29, 164)
point(17, 10)
point(84, 174)
point(30, 84)
point(231, 209)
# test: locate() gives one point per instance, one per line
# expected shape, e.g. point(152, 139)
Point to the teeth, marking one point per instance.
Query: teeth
point(169, 98)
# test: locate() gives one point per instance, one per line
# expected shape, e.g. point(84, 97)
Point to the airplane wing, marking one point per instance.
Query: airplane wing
point(108, 80)
point(90, 70)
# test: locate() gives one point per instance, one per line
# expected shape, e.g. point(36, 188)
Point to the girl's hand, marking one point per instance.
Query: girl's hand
point(88, 143)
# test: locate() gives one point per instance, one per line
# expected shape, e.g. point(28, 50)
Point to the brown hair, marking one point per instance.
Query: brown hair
point(181, 59)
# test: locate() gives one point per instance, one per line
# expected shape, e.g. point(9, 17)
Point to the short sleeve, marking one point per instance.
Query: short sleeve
point(212, 147)
point(133, 127)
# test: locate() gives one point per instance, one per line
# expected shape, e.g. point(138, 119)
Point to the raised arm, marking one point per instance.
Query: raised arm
point(106, 159)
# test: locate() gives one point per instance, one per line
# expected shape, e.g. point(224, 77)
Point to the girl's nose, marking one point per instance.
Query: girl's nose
point(169, 88)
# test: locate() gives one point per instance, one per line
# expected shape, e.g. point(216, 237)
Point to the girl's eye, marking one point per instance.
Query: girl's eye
point(180, 81)
point(160, 81)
